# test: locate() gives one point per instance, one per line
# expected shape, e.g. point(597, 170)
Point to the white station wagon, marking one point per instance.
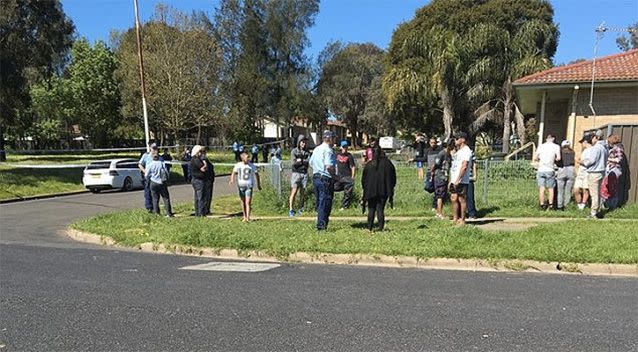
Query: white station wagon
point(114, 173)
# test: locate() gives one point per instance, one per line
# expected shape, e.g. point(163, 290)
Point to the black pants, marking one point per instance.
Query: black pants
point(237, 158)
point(157, 190)
point(187, 172)
point(208, 196)
point(198, 195)
point(346, 185)
point(376, 205)
point(255, 158)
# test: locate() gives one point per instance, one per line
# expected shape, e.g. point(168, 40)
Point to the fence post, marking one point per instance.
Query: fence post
point(275, 173)
point(486, 179)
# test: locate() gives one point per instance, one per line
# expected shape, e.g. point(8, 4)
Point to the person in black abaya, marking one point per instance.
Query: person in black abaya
point(378, 182)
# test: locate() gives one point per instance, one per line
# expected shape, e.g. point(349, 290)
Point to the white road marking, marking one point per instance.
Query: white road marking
point(232, 266)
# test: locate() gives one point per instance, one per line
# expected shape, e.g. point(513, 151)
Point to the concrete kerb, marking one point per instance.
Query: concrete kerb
point(483, 265)
point(43, 196)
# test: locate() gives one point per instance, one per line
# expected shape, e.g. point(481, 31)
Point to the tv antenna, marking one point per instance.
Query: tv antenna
point(600, 31)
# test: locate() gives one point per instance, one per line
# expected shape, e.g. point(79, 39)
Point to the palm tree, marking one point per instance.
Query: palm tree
point(504, 57)
point(429, 67)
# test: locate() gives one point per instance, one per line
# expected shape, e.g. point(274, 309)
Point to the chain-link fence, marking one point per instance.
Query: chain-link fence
point(499, 184)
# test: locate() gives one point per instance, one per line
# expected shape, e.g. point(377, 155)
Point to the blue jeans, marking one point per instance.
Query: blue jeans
point(324, 192)
point(471, 207)
point(148, 198)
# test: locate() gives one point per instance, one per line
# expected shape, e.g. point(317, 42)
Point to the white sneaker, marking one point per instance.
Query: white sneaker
point(581, 206)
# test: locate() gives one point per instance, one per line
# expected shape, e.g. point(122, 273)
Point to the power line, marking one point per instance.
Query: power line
point(600, 31)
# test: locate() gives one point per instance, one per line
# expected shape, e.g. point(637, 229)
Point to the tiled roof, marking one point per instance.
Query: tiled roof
point(617, 67)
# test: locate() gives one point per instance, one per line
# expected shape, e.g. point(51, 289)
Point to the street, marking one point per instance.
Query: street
point(57, 294)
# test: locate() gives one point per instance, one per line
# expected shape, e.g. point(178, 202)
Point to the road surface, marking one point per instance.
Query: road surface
point(57, 294)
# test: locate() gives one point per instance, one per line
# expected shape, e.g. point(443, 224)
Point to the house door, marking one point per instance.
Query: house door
point(556, 117)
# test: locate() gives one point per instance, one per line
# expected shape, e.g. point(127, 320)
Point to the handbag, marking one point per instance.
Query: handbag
point(429, 184)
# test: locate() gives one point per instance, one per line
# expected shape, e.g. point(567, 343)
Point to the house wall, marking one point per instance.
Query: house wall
point(609, 101)
point(270, 130)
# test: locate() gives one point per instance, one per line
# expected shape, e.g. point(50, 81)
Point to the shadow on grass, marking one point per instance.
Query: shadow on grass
point(487, 211)
point(484, 221)
point(34, 177)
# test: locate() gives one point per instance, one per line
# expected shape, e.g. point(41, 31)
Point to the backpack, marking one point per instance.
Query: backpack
point(164, 176)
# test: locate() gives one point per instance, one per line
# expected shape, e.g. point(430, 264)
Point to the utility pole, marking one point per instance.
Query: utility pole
point(143, 86)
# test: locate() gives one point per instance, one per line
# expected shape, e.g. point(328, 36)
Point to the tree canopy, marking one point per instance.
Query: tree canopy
point(464, 55)
point(35, 37)
point(346, 83)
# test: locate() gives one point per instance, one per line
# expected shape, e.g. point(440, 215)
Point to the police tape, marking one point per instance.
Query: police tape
point(131, 149)
point(78, 166)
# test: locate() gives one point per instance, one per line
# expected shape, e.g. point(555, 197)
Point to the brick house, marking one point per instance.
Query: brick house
point(559, 99)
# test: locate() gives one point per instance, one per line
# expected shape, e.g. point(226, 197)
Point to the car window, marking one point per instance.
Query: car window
point(126, 165)
point(99, 165)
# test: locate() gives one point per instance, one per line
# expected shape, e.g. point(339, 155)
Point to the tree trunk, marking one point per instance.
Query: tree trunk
point(520, 125)
point(355, 140)
point(507, 115)
point(448, 111)
point(3, 156)
point(199, 133)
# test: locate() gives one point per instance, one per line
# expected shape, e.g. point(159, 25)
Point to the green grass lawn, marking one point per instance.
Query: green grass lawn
point(570, 241)
point(18, 182)
point(507, 196)
point(85, 158)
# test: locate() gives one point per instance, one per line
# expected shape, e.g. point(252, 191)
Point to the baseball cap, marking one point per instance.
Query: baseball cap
point(154, 146)
point(344, 143)
point(587, 137)
point(565, 143)
point(459, 135)
point(328, 134)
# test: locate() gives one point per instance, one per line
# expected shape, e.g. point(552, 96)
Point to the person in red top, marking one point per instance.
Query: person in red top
point(346, 172)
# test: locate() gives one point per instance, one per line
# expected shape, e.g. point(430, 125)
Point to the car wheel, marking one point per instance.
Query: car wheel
point(94, 190)
point(128, 184)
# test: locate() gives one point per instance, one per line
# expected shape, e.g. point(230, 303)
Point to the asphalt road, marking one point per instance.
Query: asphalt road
point(56, 294)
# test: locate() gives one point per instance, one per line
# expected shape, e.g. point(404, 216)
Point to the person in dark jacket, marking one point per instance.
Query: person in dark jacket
point(346, 173)
point(167, 159)
point(419, 154)
point(264, 153)
point(202, 178)
point(186, 166)
point(299, 179)
point(378, 182)
point(430, 154)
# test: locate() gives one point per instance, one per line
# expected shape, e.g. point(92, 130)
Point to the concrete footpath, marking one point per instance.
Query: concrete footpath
point(490, 223)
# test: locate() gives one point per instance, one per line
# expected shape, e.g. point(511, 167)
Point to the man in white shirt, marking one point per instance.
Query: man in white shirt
point(460, 178)
point(547, 155)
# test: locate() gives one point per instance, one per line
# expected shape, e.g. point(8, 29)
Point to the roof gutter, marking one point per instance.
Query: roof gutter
point(571, 84)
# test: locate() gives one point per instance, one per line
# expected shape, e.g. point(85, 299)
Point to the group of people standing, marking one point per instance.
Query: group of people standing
point(598, 179)
point(274, 150)
point(451, 172)
point(336, 172)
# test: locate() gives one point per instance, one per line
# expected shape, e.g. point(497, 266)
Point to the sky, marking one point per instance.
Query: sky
point(374, 21)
